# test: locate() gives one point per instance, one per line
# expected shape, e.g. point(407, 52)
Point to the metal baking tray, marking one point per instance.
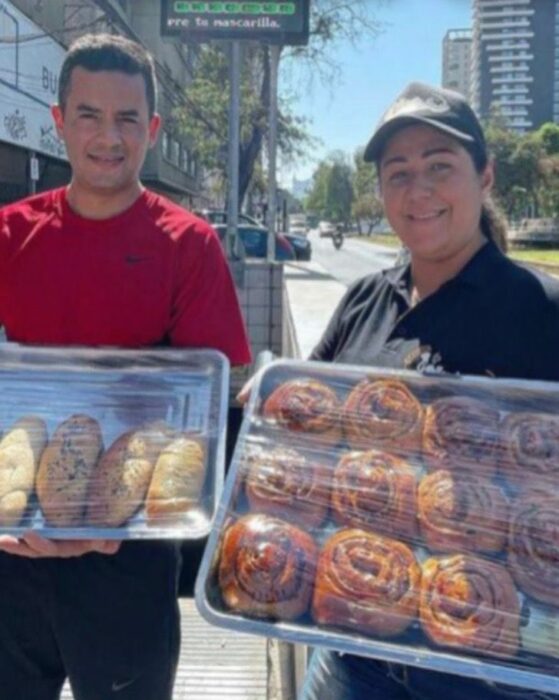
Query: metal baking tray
point(183, 390)
point(530, 670)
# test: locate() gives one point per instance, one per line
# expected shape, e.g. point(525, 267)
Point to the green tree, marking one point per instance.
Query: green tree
point(366, 205)
point(331, 195)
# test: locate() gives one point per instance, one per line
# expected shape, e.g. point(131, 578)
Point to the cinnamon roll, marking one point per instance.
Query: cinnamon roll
point(267, 568)
point(285, 483)
point(461, 513)
point(530, 456)
point(470, 603)
point(376, 491)
point(306, 406)
point(533, 548)
point(461, 434)
point(366, 582)
point(383, 414)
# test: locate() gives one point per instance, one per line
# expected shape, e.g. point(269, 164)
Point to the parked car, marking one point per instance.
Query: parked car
point(300, 244)
point(254, 240)
point(219, 216)
point(298, 229)
point(326, 229)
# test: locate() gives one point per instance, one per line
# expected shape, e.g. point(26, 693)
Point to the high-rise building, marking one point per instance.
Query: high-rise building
point(457, 45)
point(515, 61)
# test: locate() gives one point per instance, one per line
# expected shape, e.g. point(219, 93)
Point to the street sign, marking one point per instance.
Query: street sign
point(34, 167)
point(285, 22)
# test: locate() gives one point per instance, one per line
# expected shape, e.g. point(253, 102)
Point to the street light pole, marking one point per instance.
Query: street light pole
point(231, 242)
point(274, 54)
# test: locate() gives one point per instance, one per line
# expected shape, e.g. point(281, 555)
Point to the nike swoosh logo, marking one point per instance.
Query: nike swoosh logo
point(117, 687)
point(133, 259)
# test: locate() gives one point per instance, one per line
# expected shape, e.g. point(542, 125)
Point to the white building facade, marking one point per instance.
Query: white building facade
point(457, 49)
point(515, 61)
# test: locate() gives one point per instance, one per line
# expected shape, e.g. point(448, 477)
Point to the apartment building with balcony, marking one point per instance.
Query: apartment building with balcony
point(515, 61)
point(457, 47)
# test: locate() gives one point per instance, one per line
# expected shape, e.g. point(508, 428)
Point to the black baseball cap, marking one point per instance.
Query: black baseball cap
point(442, 109)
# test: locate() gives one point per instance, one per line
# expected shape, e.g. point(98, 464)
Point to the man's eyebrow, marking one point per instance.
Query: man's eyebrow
point(82, 107)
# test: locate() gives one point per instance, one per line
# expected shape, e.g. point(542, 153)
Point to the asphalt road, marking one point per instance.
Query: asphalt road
point(355, 258)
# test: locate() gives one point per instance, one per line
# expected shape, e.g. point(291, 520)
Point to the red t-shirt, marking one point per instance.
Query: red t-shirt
point(153, 274)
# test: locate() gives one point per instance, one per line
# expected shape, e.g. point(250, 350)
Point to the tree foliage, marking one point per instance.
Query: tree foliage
point(366, 205)
point(204, 116)
point(331, 194)
point(526, 169)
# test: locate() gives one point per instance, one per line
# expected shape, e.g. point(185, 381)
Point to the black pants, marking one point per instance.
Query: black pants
point(109, 623)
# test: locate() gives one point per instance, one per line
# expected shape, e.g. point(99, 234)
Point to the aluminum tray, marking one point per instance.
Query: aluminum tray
point(185, 390)
point(535, 671)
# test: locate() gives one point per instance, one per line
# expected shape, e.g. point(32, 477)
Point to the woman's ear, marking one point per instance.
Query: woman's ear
point(488, 177)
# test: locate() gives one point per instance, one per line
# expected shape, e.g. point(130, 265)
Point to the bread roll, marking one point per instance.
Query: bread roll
point(267, 568)
point(306, 406)
point(470, 603)
point(383, 414)
point(177, 479)
point(461, 434)
point(65, 469)
point(121, 480)
point(366, 582)
point(20, 451)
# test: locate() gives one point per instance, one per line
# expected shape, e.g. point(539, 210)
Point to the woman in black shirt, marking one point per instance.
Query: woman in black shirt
point(460, 305)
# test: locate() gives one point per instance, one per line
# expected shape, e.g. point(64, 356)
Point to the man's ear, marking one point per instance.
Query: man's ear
point(58, 118)
point(154, 126)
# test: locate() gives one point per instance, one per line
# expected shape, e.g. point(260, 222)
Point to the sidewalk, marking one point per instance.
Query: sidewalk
point(312, 295)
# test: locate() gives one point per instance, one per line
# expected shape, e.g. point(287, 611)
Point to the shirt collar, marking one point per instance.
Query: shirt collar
point(475, 272)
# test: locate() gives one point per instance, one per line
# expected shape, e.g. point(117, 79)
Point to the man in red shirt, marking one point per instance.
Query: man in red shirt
point(103, 262)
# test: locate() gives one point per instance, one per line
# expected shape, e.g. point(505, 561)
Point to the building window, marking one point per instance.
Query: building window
point(166, 145)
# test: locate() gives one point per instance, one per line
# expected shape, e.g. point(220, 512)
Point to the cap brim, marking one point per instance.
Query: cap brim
point(376, 145)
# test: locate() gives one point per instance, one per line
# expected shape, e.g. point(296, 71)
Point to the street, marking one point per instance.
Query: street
point(355, 259)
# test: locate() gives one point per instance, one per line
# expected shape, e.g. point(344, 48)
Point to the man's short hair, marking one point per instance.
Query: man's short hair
point(107, 52)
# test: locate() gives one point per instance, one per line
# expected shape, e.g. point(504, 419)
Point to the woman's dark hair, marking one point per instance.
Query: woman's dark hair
point(106, 52)
point(493, 222)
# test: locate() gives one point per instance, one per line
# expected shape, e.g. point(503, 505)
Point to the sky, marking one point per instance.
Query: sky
point(408, 48)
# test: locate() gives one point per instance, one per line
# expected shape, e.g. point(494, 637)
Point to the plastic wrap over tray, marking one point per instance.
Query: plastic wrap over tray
point(407, 517)
point(111, 443)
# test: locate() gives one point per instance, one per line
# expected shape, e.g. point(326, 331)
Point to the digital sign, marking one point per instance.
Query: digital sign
point(282, 22)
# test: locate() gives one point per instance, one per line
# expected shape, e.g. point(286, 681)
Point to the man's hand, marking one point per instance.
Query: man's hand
point(36, 547)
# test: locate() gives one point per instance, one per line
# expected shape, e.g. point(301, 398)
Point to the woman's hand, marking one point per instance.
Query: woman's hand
point(244, 394)
point(34, 546)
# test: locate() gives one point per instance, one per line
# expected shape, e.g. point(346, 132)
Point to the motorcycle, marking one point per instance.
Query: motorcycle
point(338, 239)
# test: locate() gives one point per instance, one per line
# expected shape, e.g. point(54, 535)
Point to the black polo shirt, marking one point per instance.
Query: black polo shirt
point(494, 318)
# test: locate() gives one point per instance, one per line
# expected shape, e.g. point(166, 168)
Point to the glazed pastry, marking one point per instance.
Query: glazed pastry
point(376, 491)
point(123, 475)
point(530, 455)
point(462, 435)
point(267, 568)
point(366, 582)
point(285, 483)
point(462, 513)
point(65, 469)
point(470, 603)
point(383, 414)
point(20, 451)
point(533, 548)
point(305, 406)
point(178, 477)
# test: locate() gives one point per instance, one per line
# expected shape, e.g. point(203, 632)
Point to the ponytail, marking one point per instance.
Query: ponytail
point(494, 224)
